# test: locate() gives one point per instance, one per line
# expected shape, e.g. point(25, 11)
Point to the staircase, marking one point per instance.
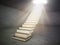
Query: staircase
point(25, 32)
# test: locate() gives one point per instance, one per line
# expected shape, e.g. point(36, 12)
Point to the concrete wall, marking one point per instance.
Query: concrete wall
point(53, 18)
point(54, 5)
point(10, 17)
point(50, 17)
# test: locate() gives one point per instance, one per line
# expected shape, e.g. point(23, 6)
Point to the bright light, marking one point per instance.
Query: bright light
point(40, 1)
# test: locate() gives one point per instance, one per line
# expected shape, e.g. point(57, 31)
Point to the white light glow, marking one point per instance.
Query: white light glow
point(40, 1)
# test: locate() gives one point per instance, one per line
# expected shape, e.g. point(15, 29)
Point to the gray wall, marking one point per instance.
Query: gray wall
point(10, 17)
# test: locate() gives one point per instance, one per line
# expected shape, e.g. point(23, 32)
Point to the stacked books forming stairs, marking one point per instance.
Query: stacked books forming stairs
point(25, 32)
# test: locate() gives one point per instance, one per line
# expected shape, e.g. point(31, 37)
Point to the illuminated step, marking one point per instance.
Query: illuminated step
point(21, 39)
point(30, 23)
point(24, 32)
point(24, 28)
point(32, 19)
point(29, 26)
point(22, 35)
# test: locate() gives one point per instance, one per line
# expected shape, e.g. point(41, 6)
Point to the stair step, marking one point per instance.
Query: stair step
point(34, 19)
point(24, 32)
point(22, 35)
point(30, 21)
point(28, 25)
point(24, 28)
point(21, 39)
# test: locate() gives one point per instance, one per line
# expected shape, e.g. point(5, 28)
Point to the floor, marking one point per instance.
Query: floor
point(43, 35)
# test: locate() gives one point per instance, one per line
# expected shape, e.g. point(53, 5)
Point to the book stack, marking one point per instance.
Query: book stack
point(25, 32)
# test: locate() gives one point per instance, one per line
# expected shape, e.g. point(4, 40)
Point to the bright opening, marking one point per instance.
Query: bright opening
point(40, 1)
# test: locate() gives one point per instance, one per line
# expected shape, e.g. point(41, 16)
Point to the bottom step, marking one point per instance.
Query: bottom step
point(22, 39)
point(22, 35)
